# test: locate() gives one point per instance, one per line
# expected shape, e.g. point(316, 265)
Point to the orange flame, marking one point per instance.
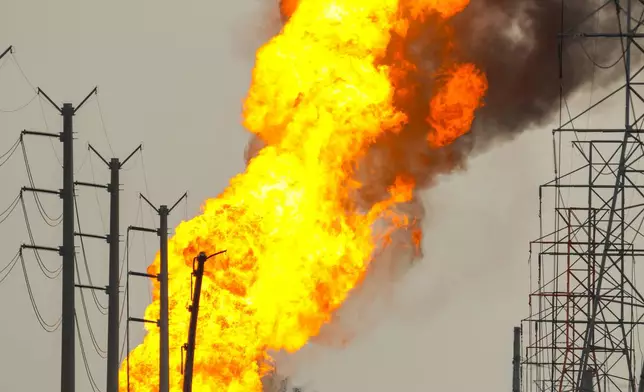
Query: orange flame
point(296, 240)
point(452, 108)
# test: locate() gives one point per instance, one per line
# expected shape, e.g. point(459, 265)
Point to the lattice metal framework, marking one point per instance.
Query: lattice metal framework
point(585, 307)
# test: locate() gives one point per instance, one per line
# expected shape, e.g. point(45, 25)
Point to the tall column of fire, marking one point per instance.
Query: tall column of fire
point(298, 236)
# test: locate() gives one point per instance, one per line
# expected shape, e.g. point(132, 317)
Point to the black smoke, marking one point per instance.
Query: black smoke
point(529, 64)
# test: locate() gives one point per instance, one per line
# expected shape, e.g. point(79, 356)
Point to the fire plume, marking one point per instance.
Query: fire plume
point(323, 91)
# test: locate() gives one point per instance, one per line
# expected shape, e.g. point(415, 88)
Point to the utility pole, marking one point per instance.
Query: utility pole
point(68, 361)
point(164, 343)
point(194, 314)
point(113, 285)
point(67, 251)
point(162, 277)
point(113, 239)
point(516, 361)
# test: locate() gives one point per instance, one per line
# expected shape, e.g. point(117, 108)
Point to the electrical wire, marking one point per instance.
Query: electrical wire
point(88, 370)
point(101, 307)
point(145, 175)
point(4, 158)
point(13, 57)
point(126, 294)
point(145, 247)
point(126, 254)
point(21, 106)
point(44, 119)
point(125, 262)
point(98, 201)
point(44, 324)
point(595, 63)
point(6, 270)
point(100, 113)
point(4, 215)
point(147, 191)
point(83, 161)
point(99, 350)
point(22, 72)
point(51, 274)
point(4, 62)
point(53, 222)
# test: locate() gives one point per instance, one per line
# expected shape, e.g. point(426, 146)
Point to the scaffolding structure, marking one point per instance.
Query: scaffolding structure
point(586, 313)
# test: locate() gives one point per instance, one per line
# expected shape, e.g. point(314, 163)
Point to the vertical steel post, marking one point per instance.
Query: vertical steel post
point(516, 361)
point(113, 309)
point(68, 349)
point(164, 349)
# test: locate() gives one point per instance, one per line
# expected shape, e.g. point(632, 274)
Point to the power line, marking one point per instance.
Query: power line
point(4, 158)
point(88, 370)
point(51, 274)
point(125, 264)
point(20, 107)
point(100, 351)
point(44, 119)
point(14, 59)
point(53, 222)
point(145, 175)
point(4, 215)
point(100, 112)
point(22, 72)
point(44, 324)
point(98, 202)
point(101, 307)
point(6, 270)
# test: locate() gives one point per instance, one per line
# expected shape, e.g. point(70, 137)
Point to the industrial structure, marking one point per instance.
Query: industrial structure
point(586, 309)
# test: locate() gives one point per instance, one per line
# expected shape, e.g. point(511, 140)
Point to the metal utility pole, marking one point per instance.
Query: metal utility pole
point(162, 277)
point(113, 239)
point(68, 364)
point(194, 314)
point(67, 250)
point(113, 305)
point(164, 344)
point(516, 361)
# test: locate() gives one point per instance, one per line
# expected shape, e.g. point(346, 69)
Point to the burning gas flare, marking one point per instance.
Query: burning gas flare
point(297, 240)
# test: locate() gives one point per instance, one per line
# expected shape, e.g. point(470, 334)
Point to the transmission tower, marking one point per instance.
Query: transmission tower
point(585, 307)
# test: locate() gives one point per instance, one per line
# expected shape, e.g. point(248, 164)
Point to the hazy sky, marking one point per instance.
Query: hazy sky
point(173, 75)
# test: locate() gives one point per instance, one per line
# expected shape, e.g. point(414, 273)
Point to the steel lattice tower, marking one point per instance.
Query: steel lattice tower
point(585, 307)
